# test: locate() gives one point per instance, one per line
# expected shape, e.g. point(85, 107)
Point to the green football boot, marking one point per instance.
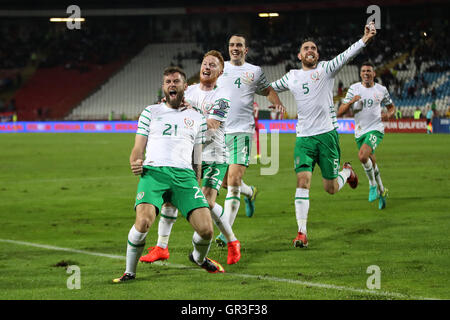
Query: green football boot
point(382, 201)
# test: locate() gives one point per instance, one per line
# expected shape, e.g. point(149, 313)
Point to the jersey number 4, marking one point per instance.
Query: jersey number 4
point(238, 82)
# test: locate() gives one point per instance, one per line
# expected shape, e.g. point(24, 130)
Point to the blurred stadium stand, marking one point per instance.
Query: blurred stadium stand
point(113, 65)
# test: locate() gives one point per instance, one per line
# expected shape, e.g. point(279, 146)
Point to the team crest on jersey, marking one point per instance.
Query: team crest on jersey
point(207, 107)
point(188, 123)
point(140, 195)
point(315, 76)
point(222, 110)
point(248, 77)
point(377, 97)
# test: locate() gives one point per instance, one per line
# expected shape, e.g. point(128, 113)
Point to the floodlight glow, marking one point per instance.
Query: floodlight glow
point(268, 15)
point(67, 19)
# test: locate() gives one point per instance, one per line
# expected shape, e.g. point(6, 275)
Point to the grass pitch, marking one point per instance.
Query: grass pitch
point(67, 199)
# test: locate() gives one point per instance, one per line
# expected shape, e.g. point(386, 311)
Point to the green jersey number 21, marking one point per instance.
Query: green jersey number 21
point(168, 131)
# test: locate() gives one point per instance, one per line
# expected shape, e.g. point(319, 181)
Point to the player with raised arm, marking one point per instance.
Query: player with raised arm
point(242, 80)
point(366, 99)
point(213, 102)
point(171, 136)
point(317, 139)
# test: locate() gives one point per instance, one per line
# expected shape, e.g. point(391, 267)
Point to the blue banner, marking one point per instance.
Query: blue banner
point(282, 126)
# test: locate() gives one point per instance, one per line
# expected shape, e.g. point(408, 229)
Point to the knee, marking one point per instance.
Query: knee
point(364, 154)
point(332, 189)
point(235, 176)
point(234, 180)
point(303, 183)
point(144, 218)
point(363, 157)
point(206, 232)
point(142, 224)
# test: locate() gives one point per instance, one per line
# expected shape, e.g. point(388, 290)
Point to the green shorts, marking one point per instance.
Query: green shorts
point(239, 147)
point(322, 149)
point(213, 174)
point(158, 185)
point(371, 138)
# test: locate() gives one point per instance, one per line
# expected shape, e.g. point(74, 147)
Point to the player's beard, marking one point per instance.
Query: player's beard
point(174, 102)
point(308, 63)
point(207, 81)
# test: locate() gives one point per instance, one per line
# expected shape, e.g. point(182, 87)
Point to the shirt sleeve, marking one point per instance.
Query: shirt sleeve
point(144, 123)
point(386, 98)
point(350, 94)
point(201, 135)
point(281, 84)
point(333, 66)
point(262, 83)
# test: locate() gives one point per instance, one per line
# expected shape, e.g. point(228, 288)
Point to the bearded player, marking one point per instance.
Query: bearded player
point(171, 137)
point(213, 102)
point(317, 139)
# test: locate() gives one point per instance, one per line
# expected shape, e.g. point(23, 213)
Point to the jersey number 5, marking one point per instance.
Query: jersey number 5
point(305, 88)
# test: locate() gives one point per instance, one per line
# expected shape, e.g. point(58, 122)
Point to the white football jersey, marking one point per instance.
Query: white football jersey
point(171, 134)
point(214, 104)
point(367, 111)
point(313, 93)
point(242, 82)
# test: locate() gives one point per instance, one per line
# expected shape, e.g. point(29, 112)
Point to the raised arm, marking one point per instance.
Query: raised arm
point(336, 64)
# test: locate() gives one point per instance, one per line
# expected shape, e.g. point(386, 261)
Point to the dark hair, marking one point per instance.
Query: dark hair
point(368, 64)
point(308, 39)
point(240, 35)
point(174, 69)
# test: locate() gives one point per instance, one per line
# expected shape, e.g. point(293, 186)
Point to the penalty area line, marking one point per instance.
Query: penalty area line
point(247, 276)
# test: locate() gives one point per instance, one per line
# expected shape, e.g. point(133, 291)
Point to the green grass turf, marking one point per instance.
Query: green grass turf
point(77, 191)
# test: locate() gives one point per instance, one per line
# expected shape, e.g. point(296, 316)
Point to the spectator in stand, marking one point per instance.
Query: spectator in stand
point(417, 114)
point(447, 114)
point(433, 93)
point(2, 105)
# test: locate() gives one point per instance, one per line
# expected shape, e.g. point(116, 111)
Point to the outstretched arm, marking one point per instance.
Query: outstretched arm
point(369, 32)
point(333, 66)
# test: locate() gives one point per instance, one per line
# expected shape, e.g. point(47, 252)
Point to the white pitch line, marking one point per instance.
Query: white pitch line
point(250, 276)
